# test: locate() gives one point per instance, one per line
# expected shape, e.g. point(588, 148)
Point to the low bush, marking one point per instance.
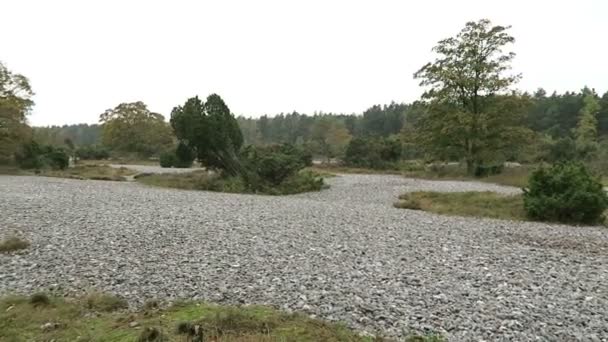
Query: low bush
point(184, 156)
point(105, 302)
point(34, 156)
point(565, 192)
point(92, 152)
point(272, 164)
point(181, 157)
point(373, 153)
point(39, 299)
point(12, 244)
point(168, 159)
point(489, 170)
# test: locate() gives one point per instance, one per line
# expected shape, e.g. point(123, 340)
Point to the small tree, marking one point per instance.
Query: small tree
point(586, 129)
point(209, 129)
point(567, 193)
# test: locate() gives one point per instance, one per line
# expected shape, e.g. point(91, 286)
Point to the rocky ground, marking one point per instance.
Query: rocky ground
point(342, 254)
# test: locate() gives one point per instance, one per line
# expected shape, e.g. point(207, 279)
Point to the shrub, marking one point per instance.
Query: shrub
point(167, 159)
point(56, 158)
point(39, 299)
point(373, 153)
point(150, 334)
point(12, 244)
point(184, 156)
point(92, 152)
point(566, 193)
point(105, 302)
point(34, 156)
point(488, 170)
point(271, 164)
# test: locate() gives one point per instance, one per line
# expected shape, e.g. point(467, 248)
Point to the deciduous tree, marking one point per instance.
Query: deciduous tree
point(132, 128)
point(15, 104)
point(472, 113)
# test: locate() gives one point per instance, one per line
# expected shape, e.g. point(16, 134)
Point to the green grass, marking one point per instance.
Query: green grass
point(477, 204)
point(92, 172)
point(64, 319)
point(12, 244)
point(511, 176)
point(303, 181)
point(333, 169)
point(119, 161)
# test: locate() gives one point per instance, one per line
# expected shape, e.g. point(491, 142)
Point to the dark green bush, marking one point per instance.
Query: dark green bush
point(566, 192)
point(489, 170)
point(562, 150)
point(271, 164)
point(168, 159)
point(373, 153)
point(34, 156)
point(184, 156)
point(56, 158)
point(92, 152)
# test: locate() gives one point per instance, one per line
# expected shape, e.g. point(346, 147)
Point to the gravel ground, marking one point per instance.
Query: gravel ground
point(342, 254)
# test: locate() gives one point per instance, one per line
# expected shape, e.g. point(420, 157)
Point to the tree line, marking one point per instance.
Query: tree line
point(471, 111)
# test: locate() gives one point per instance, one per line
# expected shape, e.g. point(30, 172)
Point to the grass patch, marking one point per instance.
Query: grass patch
point(10, 170)
point(333, 169)
point(63, 319)
point(97, 301)
point(92, 172)
point(303, 181)
point(511, 176)
point(477, 204)
point(12, 244)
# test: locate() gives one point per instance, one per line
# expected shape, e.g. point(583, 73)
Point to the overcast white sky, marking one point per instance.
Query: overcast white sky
point(83, 57)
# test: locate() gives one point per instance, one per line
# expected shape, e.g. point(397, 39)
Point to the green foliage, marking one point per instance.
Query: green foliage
point(565, 192)
point(272, 164)
point(488, 170)
point(92, 152)
point(81, 135)
point(373, 152)
point(15, 106)
point(302, 181)
point(132, 128)
point(563, 149)
point(209, 129)
point(184, 155)
point(329, 137)
point(34, 156)
point(471, 115)
point(586, 129)
point(168, 159)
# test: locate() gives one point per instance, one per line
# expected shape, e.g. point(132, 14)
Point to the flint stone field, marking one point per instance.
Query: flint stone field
point(341, 254)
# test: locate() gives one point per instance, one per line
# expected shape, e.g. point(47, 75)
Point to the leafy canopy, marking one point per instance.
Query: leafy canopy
point(132, 128)
point(471, 113)
point(15, 104)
